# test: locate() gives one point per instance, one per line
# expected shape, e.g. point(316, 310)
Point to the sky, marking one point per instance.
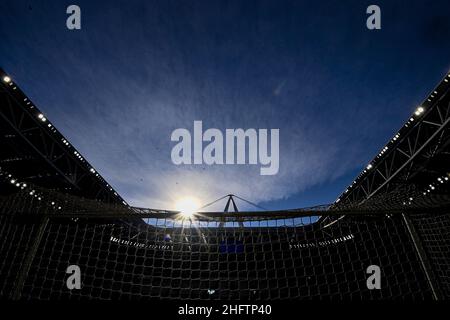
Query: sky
point(138, 70)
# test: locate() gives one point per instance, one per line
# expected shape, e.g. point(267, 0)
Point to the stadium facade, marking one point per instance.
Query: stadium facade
point(56, 210)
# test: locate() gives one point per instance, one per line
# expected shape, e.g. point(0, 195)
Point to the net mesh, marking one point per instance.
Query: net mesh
point(434, 233)
point(132, 253)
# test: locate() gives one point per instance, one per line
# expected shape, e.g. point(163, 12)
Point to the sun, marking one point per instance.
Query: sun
point(187, 206)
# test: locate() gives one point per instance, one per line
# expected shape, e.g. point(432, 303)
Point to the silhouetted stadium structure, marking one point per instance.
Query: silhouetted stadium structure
point(57, 211)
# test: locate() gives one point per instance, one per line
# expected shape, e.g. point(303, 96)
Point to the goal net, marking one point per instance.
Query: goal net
point(131, 253)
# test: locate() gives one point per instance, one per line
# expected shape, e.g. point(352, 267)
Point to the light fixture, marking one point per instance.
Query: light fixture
point(6, 79)
point(419, 111)
point(369, 166)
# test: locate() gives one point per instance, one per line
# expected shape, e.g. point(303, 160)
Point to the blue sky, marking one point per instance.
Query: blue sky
point(137, 70)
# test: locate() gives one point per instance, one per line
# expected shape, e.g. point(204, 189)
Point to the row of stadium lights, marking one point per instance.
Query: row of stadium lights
point(140, 244)
point(431, 187)
point(291, 245)
point(323, 243)
point(41, 117)
point(32, 193)
point(419, 111)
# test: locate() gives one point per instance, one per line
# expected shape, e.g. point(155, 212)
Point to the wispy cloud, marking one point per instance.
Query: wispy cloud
point(120, 86)
point(126, 134)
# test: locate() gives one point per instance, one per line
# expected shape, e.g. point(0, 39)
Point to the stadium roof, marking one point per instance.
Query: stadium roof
point(34, 151)
point(415, 161)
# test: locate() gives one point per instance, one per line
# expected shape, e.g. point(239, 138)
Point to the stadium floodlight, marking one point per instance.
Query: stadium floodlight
point(187, 207)
point(6, 79)
point(369, 166)
point(419, 111)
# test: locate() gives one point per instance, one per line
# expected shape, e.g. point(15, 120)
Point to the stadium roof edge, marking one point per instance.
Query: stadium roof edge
point(417, 117)
point(7, 81)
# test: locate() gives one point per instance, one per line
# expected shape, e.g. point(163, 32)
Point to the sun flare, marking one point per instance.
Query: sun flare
point(187, 206)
